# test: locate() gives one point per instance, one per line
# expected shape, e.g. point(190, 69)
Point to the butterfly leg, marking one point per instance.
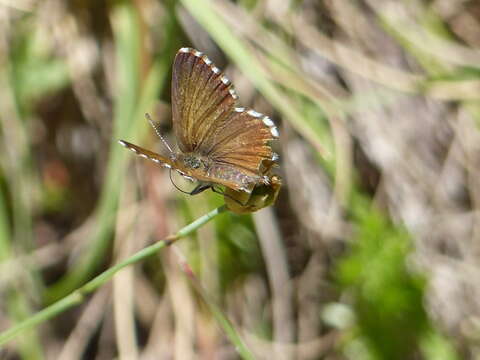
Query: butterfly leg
point(217, 191)
point(200, 188)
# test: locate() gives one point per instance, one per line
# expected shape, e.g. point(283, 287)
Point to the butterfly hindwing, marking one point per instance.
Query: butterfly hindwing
point(243, 142)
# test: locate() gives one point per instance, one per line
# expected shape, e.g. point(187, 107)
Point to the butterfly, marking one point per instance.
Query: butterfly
point(262, 195)
point(219, 143)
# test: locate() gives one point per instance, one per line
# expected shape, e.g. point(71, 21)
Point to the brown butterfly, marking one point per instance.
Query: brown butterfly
point(219, 143)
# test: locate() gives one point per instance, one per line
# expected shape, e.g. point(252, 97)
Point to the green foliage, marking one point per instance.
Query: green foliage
point(35, 70)
point(239, 250)
point(387, 295)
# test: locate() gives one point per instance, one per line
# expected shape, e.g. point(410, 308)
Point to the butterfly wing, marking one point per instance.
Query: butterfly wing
point(202, 98)
point(185, 172)
point(239, 150)
point(147, 154)
point(207, 123)
point(159, 159)
point(243, 142)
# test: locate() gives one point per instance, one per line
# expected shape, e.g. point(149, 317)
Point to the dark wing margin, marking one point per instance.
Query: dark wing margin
point(202, 98)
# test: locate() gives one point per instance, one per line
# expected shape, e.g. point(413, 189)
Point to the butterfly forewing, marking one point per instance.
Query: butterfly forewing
point(202, 98)
point(147, 154)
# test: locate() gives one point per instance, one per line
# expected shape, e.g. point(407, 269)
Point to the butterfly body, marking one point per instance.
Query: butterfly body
point(218, 142)
point(208, 170)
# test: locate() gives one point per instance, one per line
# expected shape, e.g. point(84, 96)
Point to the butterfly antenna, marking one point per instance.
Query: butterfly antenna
point(157, 130)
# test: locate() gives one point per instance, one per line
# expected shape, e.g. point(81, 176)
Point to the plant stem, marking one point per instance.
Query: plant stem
point(79, 295)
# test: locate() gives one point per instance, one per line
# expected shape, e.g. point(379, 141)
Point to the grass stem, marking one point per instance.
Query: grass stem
point(79, 295)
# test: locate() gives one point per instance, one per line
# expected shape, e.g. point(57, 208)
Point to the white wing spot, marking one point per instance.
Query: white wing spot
point(274, 132)
point(275, 157)
point(123, 143)
point(185, 50)
point(254, 113)
point(167, 166)
point(184, 175)
point(215, 70)
point(197, 53)
point(143, 156)
point(239, 109)
point(207, 60)
point(225, 80)
point(267, 121)
point(156, 160)
point(232, 92)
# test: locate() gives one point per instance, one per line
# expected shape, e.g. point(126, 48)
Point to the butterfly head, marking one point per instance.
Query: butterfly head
point(192, 162)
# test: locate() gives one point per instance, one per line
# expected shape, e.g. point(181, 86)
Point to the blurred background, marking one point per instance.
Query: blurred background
point(372, 249)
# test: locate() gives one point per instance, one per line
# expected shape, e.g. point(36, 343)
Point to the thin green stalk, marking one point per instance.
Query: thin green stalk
point(79, 295)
